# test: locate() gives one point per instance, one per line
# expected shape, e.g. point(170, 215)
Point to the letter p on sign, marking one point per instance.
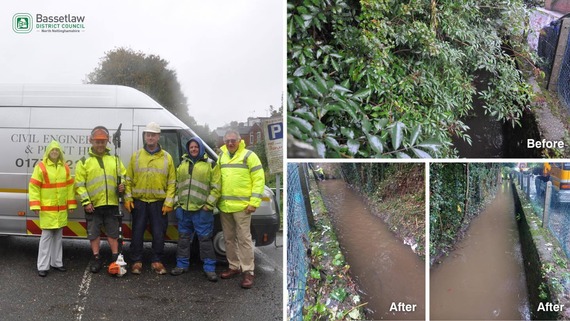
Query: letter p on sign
point(275, 131)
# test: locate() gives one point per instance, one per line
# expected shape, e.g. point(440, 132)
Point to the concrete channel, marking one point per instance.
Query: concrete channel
point(484, 277)
point(545, 264)
point(507, 267)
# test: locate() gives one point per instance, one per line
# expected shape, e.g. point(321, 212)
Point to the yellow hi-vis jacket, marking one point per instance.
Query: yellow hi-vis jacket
point(51, 190)
point(202, 187)
point(151, 177)
point(243, 179)
point(96, 179)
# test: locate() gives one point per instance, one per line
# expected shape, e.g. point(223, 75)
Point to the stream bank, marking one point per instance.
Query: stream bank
point(331, 292)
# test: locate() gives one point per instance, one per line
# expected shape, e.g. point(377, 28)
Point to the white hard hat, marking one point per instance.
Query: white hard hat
point(152, 127)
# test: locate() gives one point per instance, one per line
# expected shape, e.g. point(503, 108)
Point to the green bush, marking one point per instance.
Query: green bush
point(390, 78)
point(458, 192)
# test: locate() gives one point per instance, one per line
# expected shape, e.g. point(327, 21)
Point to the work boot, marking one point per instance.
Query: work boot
point(158, 268)
point(137, 268)
point(211, 276)
point(229, 273)
point(59, 268)
point(96, 264)
point(247, 281)
point(178, 270)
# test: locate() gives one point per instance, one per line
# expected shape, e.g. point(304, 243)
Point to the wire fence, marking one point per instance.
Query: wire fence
point(558, 213)
point(298, 210)
point(547, 46)
point(564, 79)
point(547, 42)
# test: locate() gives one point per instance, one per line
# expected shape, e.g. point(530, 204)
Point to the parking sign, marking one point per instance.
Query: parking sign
point(273, 132)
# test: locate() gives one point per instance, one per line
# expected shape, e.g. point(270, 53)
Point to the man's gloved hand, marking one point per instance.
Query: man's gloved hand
point(166, 209)
point(129, 206)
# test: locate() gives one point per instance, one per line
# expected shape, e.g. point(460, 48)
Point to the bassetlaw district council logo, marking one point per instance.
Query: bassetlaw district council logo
point(22, 23)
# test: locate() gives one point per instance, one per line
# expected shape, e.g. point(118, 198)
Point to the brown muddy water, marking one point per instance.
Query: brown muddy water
point(483, 279)
point(387, 271)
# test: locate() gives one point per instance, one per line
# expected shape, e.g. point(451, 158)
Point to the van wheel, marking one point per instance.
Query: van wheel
point(220, 247)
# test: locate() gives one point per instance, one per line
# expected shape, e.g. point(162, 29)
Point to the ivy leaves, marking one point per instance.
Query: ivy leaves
point(452, 187)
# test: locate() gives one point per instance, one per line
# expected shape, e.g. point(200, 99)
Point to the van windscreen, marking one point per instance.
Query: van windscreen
point(170, 142)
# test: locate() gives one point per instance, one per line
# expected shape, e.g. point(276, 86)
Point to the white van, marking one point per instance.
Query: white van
point(31, 116)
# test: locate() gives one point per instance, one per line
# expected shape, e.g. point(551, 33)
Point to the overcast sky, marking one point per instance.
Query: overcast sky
point(228, 55)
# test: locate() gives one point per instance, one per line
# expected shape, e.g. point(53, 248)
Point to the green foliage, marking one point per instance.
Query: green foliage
point(315, 310)
point(534, 3)
point(338, 260)
point(446, 202)
point(458, 192)
point(394, 79)
point(315, 274)
point(369, 177)
point(547, 268)
point(339, 294)
point(259, 150)
point(543, 291)
point(560, 261)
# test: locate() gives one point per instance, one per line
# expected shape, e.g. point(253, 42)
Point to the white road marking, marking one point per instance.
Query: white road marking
point(83, 292)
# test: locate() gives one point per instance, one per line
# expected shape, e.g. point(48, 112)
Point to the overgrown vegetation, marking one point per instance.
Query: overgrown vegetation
point(395, 193)
point(458, 193)
point(330, 292)
point(391, 78)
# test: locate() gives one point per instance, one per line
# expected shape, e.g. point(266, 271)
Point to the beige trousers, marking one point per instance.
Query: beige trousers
point(237, 236)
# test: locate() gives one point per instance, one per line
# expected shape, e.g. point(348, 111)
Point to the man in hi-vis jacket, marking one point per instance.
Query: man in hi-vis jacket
point(149, 197)
point(243, 182)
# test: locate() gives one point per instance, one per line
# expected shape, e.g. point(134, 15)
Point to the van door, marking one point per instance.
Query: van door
point(16, 168)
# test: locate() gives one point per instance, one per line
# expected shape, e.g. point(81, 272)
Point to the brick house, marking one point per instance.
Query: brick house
point(250, 134)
